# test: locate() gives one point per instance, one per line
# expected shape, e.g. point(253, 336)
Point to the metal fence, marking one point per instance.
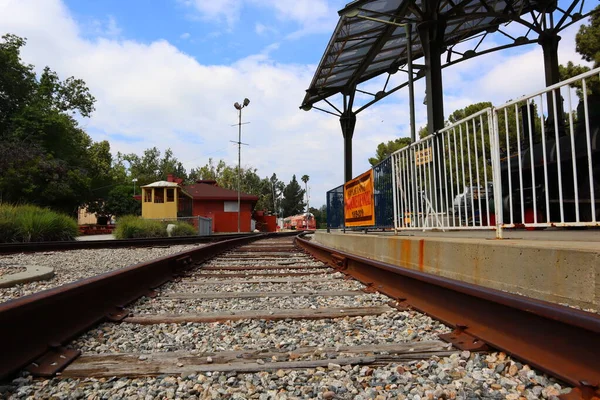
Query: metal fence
point(335, 208)
point(446, 180)
point(549, 157)
point(532, 162)
point(383, 194)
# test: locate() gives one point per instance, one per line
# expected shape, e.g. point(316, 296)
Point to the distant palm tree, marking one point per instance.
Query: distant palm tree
point(305, 179)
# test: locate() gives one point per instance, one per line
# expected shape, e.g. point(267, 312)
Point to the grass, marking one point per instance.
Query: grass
point(28, 223)
point(131, 227)
point(184, 229)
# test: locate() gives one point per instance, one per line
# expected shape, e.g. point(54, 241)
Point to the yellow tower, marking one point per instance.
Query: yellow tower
point(162, 200)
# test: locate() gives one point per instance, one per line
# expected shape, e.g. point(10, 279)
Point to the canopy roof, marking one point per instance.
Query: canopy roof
point(161, 184)
point(361, 49)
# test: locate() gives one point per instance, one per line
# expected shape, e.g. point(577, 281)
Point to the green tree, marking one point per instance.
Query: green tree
point(305, 179)
point(320, 216)
point(384, 150)
point(587, 43)
point(46, 158)
point(587, 40)
point(270, 195)
point(151, 167)
point(227, 177)
point(292, 198)
point(117, 203)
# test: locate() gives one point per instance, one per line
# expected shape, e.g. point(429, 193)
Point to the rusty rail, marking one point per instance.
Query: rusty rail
point(7, 248)
point(34, 328)
point(561, 341)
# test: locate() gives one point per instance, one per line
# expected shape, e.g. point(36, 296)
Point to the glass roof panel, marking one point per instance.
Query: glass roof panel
point(358, 44)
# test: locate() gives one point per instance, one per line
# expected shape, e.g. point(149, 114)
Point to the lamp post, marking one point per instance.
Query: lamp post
point(239, 142)
point(134, 180)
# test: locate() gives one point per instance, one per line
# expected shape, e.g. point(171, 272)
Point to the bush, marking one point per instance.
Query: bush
point(183, 229)
point(27, 223)
point(131, 226)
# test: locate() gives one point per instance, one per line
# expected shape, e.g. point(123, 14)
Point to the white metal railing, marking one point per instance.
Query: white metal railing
point(446, 180)
point(532, 162)
point(548, 165)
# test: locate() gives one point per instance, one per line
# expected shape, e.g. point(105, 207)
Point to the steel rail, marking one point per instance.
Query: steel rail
point(33, 247)
point(34, 328)
point(561, 341)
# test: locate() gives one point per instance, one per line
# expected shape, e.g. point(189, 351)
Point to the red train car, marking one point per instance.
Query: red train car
point(304, 221)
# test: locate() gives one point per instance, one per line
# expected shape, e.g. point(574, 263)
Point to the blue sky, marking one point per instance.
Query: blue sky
point(214, 37)
point(166, 74)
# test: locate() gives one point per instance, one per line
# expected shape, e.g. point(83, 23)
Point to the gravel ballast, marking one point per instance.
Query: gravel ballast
point(70, 266)
point(462, 375)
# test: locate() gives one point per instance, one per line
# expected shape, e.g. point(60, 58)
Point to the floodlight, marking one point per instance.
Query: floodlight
point(246, 102)
point(237, 105)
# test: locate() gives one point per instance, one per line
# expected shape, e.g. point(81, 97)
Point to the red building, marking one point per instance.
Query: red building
point(221, 205)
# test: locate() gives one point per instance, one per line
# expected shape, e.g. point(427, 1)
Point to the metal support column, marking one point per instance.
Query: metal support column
point(411, 86)
point(348, 122)
point(431, 33)
point(549, 42)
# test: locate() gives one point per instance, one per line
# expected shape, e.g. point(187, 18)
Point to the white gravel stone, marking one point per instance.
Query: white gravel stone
point(70, 266)
point(464, 375)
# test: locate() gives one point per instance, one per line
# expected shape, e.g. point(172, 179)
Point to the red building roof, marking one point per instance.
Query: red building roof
point(204, 191)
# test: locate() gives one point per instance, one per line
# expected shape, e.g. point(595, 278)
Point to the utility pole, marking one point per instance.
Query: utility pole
point(239, 142)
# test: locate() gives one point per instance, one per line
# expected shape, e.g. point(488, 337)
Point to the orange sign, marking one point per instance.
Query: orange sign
point(423, 156)
point(359, 207)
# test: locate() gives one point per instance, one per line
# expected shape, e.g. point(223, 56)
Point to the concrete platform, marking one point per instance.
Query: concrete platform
point(31, 274)
point(560, 266)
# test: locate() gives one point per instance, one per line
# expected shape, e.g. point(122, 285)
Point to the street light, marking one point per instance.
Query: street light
point(355, 13)
point(239, 142)
point(134, 180)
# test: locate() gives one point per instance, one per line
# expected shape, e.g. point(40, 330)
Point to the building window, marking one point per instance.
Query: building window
point(230, 206)
point(159, 196)
point(170, 195)
point(147, 195)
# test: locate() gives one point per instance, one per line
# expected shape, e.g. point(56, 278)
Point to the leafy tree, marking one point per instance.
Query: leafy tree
point(467, 111)
point(118, 202)
point(292, 198)
point(47, 159)
point(268, 189)
point(270, 195)
point(305, 179)
point(587, 40)
point(384, 150)
point(150, 167)
point(320, 216)
point(587, 43)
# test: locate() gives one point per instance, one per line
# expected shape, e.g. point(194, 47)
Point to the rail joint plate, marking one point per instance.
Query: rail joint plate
point(462, 340)
point(53, 361)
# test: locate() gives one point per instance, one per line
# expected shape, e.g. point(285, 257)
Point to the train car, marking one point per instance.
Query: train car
point(304, 221)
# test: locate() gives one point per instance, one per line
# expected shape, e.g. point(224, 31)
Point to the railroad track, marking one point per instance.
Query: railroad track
point(261, 320)
point(36, 247)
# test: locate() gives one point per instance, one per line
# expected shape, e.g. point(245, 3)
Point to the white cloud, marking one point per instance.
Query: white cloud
point(112, 29)
point(185, 35)
point(312, 16)
point(153, 94)
point(217, 11)
point(263, 30)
